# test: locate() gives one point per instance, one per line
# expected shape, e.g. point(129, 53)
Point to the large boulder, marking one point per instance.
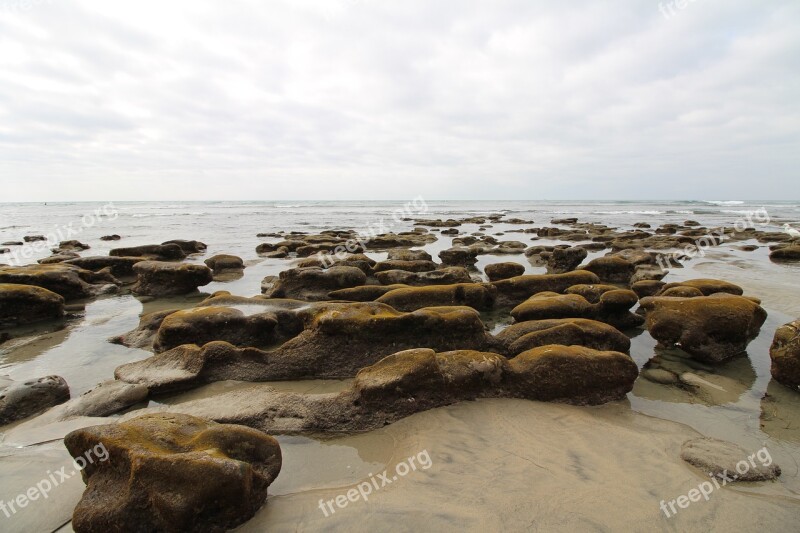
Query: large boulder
point(785, 355)
point(565, 259)
point(21, 399)
point(171, 472)
point(515, 290)
point(573, 374)
point(711, 329)
point(157, 252)
point(24, 304)
point(476, 295)
point(160, 278)
point(524, 336)
point(498, 271)
point(314, 283)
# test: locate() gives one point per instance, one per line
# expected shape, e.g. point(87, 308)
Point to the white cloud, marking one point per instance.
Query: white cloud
point(339, 99)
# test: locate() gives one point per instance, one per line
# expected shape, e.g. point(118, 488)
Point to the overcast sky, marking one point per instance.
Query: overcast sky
point(384, 99)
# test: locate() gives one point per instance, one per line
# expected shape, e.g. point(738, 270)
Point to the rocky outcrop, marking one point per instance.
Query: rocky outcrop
point(156, 252)
point(25, 304)
point(171, 472)
point(459, 256)
point(69, 281)
point(612, 308)
point(313, 283)
point(711, 329)
point(476, 295)
point(201, 325)
point(498, 271)
point(411, 381)
point(118, 266)
point(20, 399)
point(785, 355)
point(160, 278)
point(524, 336)
point(514, 291)
point(444, 276)
point(338, 340)
point(705, 287)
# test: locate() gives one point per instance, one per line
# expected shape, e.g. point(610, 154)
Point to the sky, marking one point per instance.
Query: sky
point(393, 99)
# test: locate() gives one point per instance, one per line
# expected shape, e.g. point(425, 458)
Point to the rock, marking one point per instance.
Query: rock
point(71, 246)
point(119, 266)
point(20, 400)
point(4, 251)
point(592, 293)
point(475, 295)
point(515, 290)
point(12, 243)
point(564, 221)
point(611, 269)
point(400, 240)
point(681, 292)
point(113, 237)
point(463, 257)
point(34, 238)
point(565, 259)
point(785, 355)
point(223, 262)
point(408, 266)
point(337, 341)
point(188, 247)
point(444, 276)
point(573, 374)
point(659, 375)
point(706, 287)
point(524, 336)
point(69, 281)
point(787, 253)
point(171, 472)
point(158, 278)
point(158, 252)
point(57, 258)
point(727, 460)
point(366, 293)
point(647, 287)
point(24, 304)
point(711, 329)
point(105, 399)
point(205, 324)
point(360, 261)
point(314, 283)
point(498, 271)
point(612, 308)
point(404, 254)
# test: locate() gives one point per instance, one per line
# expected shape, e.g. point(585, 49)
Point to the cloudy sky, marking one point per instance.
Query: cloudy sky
point(384, 99)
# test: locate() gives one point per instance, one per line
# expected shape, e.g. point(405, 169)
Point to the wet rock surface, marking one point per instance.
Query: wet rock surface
point(785, 355)
point(160, 278)
point(172, 472)
point(21, 399)
point(25, 304)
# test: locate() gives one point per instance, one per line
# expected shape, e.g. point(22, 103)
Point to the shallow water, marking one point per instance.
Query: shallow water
point(495, 464)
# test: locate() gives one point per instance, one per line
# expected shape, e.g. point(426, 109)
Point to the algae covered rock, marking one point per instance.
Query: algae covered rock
point(524, 336)
point(171, 472)
point(158, 252)
point(69, 281)
point(513, 291)
point(498, 271)
point(476, 295)
point(24, 304)
point(313, 283)
point(785, 355)
point(201, 325)
point(444, 276)
point(711, 329)
point(160, 278)
point(224, 262)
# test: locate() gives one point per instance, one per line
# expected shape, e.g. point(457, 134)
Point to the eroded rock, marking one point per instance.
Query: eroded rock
point(785, 355)
point(21, 399)
point(160, 278)
point(25, 304)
